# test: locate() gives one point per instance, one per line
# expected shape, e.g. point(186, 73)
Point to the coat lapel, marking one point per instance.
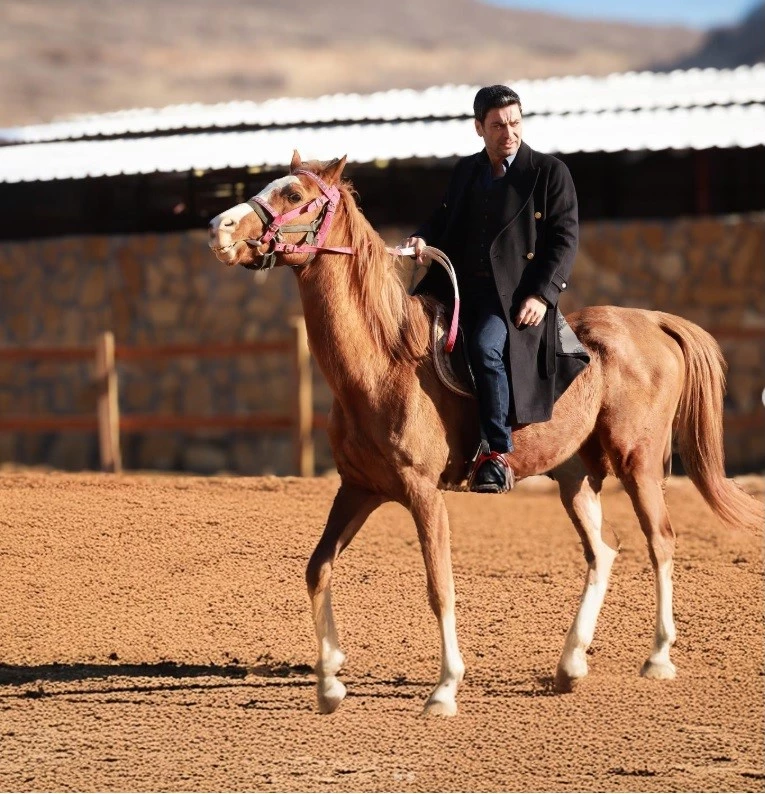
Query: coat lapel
point(522, 177)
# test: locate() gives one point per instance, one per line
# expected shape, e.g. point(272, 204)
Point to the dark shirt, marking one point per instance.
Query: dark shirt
point(482, 218)
point(486, 174)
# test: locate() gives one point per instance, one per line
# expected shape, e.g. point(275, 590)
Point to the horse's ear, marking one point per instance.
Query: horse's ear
point(296, 161)
point(334, 170)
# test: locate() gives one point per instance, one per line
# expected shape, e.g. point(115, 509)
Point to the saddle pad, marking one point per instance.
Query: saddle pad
point(453, 369)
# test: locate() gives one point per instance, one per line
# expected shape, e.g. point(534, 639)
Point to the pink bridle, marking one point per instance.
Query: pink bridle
point(317, 231)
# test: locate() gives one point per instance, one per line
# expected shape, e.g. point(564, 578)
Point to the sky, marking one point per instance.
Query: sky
point(691, 13)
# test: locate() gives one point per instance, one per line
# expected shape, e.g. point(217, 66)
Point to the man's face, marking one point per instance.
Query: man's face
point(501, 131)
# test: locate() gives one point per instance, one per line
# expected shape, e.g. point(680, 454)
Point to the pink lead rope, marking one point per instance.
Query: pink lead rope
point(439, 256)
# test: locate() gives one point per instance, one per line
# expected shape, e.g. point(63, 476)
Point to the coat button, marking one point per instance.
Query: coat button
point(563, 285)
point(530, 255)
point(537, 215)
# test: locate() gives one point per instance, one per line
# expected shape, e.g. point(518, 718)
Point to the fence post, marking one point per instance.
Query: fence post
point(108, 404)
point(303, 401)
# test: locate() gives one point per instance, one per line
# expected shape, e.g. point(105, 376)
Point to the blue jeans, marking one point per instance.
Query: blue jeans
point(486, 347)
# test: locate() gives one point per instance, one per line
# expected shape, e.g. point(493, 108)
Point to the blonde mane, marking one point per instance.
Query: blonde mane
point(398, 325)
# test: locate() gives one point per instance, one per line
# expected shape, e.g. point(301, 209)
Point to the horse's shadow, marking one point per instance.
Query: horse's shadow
point(13, 677)
point(28, 681)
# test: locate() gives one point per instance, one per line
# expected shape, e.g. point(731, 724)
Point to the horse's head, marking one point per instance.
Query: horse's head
point(275, 226)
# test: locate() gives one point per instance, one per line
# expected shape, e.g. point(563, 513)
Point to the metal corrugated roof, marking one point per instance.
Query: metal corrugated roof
point(653, 130)
point(628, 91)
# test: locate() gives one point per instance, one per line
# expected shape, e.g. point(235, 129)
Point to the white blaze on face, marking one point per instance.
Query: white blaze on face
point(276, 185)
point(237, 212)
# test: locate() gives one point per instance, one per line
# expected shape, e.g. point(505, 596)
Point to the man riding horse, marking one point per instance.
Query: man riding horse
point(399, 434)
point(509, 223)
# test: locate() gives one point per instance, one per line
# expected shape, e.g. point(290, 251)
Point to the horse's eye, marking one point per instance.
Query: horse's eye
point(294, 197)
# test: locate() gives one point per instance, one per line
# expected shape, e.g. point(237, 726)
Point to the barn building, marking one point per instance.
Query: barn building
point(103, 227)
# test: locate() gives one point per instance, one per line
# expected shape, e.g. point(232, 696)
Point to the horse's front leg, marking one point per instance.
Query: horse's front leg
point(430, 516)
point(350, 509)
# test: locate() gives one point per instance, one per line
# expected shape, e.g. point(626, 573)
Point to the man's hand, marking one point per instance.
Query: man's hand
point(532, 311)
point(418, 244)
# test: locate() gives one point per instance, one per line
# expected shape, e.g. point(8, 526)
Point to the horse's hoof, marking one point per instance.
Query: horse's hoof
point(568, 675)
point(440, 708)
point(659, 671)
point(566, 682)
point(329, 695)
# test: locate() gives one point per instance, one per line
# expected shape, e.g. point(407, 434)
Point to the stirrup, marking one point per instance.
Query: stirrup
point(481, 457)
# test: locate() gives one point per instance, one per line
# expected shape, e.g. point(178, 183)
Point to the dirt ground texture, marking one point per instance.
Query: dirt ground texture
point(156, 635)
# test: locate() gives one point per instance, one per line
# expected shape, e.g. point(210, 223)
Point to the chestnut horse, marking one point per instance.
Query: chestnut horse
point(398, 434)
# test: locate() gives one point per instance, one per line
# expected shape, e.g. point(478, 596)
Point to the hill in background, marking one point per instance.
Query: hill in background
point(731, 46)
point(81, 56)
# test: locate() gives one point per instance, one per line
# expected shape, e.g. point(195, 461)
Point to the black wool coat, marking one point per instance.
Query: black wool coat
point(532, 254)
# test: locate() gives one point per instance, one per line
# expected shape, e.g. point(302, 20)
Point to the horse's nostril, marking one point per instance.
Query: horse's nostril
point(227, 222)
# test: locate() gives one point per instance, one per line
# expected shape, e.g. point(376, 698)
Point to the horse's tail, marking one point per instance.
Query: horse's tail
point(699, 425)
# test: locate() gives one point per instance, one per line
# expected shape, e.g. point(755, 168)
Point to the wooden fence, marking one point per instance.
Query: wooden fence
point(299, 419)
point(109, 423)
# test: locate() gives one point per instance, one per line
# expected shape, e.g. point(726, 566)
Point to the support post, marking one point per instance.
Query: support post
point(108, 404)
point(303, 401)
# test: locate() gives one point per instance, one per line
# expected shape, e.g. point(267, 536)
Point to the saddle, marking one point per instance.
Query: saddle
point(450, 358)
point(453, 369)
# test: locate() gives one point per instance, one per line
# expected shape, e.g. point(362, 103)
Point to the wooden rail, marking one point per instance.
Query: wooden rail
point(108, 421)
point(300, 418)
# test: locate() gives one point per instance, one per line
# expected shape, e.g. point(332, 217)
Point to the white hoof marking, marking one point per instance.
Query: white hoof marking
point(330, 694)
point(566, 679)
point(659, 671)
point(442, 701)
point(440, 708)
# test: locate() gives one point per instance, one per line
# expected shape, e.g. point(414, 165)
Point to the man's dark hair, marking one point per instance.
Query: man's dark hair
point(494, 96)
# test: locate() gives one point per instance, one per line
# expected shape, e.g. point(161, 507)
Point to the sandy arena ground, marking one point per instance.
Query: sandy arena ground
point(155, 635)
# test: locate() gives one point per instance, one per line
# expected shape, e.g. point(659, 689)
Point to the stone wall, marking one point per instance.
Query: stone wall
point(151, 289)
point(710, 271)
point(154, 289)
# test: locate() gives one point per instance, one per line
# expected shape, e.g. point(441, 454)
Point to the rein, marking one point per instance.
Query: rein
point(316, 232)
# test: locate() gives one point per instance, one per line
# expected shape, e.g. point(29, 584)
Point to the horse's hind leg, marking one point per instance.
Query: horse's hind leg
point(646, 489)
point(429, 512)
point(350, 509)
point(580, 494)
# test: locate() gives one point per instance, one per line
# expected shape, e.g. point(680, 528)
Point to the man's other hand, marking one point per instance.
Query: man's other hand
point(532, 311)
